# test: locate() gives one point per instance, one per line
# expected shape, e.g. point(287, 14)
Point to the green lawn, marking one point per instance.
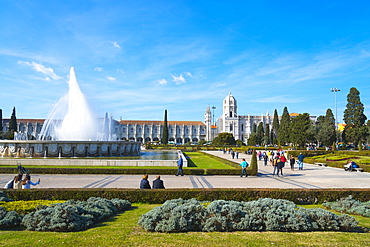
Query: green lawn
point(199, 160)
point(123, 230)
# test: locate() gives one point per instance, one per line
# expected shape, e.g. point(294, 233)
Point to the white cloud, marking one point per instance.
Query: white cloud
point(40, 68)
point(188, 74)
point(120, 71)
point(111, 78)
point(162, 81)
point(178, 79)
point(116, 45)
point(98, 69)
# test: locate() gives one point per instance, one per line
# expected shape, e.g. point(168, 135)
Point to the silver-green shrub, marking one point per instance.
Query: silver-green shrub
point(9, 219)
point(73, 215)
point(265, 214)
point(4, 197)
point(176, 215)
point(350, 205)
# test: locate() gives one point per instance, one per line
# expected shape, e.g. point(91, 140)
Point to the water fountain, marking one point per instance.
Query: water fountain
point(71, 130)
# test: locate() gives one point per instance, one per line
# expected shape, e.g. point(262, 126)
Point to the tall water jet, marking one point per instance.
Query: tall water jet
point(71, 117)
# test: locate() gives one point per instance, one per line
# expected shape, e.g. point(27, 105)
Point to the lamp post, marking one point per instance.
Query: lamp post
point(335, 90)
point(213, 117)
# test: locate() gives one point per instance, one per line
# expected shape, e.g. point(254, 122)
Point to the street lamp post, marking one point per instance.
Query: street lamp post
point(335, 90)
point(213, 122)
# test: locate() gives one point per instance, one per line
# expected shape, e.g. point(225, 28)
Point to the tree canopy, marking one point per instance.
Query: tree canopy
point(354, 117)
point(224, 139)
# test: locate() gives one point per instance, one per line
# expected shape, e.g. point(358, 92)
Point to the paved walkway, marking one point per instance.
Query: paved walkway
point(312, 176)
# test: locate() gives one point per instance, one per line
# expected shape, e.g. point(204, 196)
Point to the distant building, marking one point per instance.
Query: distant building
point(179, 132)
point(143, 131)
point(239, 125)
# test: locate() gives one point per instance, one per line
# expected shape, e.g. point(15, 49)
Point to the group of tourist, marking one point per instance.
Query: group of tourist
point(18, 182)
point(277, 160)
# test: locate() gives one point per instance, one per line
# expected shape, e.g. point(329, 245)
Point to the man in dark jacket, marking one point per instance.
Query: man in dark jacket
point(158, 183)
point(144, 183)
point(179, 167)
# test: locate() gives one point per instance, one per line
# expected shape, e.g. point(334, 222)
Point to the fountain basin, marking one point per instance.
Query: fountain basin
point(41, 148)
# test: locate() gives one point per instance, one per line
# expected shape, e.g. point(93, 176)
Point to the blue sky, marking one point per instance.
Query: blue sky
point(133, 59)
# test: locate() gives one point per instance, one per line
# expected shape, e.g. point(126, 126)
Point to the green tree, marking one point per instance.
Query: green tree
point(239, 143)
point(253, 171)
point(275, 128)
point(1, 120)
point(354, 117)
point(284, 128)
point(224, 139)
point(260, 133)
point(266, 138)
point(13, 121)
point(164, 139)
point(325, 129)
point(300, 127)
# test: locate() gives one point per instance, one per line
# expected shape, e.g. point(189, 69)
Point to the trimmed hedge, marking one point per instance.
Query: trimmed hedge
point(298, 196)
point(161, 171)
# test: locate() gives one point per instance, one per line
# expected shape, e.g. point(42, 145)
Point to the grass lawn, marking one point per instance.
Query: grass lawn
point(199, 160)
point(123, 230)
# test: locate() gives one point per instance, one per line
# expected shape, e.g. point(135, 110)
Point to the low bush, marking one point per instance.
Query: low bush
point(73, 215)
point(265, 214)
point(350, 205)
point(9, 219)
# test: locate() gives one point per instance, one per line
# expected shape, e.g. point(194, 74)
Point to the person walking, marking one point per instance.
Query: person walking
point(158, 183)
point(280, 165)
point(300, 161)
point(265, 158)
point(180, 163)
point(144, 183)
point(232, 154)
point(292, 162)
point(244, 166)
point(275, 162)
point(26, 183)
point(236, 154)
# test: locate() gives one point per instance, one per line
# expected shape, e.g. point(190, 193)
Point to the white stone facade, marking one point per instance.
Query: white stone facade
point(231, 122)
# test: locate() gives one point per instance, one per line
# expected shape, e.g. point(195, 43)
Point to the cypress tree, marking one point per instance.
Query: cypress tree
point(254, 165)
point(325, 129)
point(275, 128)
point(1, 120)
point(164, 138)
point(300, 129)
point(13, 122)
point(260, 133)
point(284, 128)
point(266, 138)
point(355, 118)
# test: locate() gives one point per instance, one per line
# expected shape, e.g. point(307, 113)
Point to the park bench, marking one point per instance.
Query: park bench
point(320, 164)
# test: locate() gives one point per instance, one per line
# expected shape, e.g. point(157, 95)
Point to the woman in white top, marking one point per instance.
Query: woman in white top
point(26, 183)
